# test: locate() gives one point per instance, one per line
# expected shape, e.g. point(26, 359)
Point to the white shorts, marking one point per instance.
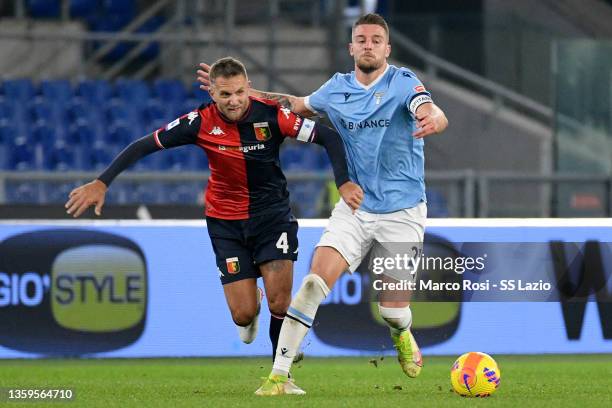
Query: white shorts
point(354, 234)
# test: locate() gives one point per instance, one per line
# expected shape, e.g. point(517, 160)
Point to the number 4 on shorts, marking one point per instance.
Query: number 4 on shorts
point(283, 243)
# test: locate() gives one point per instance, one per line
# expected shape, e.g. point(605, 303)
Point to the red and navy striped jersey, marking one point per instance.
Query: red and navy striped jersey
point(243, 156)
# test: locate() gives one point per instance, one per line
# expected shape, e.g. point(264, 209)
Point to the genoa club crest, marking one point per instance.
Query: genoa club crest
point(233, 266)
point(262, 131)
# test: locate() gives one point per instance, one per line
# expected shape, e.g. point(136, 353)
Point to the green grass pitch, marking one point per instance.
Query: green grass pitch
point(527, 381)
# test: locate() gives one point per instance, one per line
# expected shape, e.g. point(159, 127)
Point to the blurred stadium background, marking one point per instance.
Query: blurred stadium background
point(526, 86)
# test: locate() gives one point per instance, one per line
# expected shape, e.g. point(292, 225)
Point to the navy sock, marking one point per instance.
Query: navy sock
point(276, 322)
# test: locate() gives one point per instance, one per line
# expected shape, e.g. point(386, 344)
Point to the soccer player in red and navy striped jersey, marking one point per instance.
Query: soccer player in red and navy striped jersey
point(250, 224)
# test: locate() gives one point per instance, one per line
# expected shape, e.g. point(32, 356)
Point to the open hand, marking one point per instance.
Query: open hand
point(202, 76)
point(352, 194)
point(83, 197)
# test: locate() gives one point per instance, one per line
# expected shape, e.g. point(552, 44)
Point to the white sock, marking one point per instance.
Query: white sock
point(248, 333)
point(397, 318)
point(298, 320)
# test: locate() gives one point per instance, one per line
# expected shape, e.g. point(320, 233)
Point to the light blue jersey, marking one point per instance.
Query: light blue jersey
point(376, 123)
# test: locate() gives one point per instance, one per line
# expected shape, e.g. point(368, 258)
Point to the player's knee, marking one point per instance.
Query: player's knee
point(319, 270)
point(327, 271)
point(243, 316)
point(278, 304)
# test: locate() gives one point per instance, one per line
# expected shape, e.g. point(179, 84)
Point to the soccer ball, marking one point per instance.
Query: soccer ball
point(475, 374)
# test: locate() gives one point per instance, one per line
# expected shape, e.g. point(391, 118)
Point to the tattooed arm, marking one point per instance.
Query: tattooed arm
point(294, 103)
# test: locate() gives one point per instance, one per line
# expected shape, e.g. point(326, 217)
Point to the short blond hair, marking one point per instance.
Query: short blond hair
point(372, 18)
point(226, 67)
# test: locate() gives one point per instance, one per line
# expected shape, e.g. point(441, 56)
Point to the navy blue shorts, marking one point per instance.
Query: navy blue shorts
point(242, 245)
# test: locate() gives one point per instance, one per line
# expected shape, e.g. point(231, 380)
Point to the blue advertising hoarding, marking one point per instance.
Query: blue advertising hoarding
point(151, 289)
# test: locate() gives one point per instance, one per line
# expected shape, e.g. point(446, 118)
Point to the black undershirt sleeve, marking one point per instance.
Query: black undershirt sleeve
point(180, 132)
point(128, 156)
point(332, 142)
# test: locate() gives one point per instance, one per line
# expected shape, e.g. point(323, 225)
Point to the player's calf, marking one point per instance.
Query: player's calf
point(247, 322)
point(299, 319)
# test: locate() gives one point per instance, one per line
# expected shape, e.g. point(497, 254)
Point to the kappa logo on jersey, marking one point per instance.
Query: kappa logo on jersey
point(285, 111)
point(233, 265)
point(216, 131)
point(419, 88)
point(262, 131)
point(192, 116)
point(172, 124)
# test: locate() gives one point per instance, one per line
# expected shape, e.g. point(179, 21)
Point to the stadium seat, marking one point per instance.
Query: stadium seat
point(83, 134)
point(119, 110)
point(61, 157)
point(311, 157)
point(119, 7)
point(178, 159)
point(132, 91)
point(95, 91)
point(44, 8)
point(56, 90)
point(191, 104)
point(43, 133)
point(18, 89)
point(6, 109)
point(83, 8)
point(22, 155)
point(119, 134)
point(7, 133)
point(15, 129)
point(199, 95)
point(291, 157)
point(100, 156)
point(78, 111)
point(323, 162)
point(170, 90)
point(155, 111)
point(53, 112)
point(201, 160)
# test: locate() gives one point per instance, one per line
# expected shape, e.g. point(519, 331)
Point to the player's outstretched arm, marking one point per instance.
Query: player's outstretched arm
point(430, 119)
point(93, 193)
point(294, 103)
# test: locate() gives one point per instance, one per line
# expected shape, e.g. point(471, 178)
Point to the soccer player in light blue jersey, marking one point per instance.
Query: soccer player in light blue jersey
point(382, 113)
